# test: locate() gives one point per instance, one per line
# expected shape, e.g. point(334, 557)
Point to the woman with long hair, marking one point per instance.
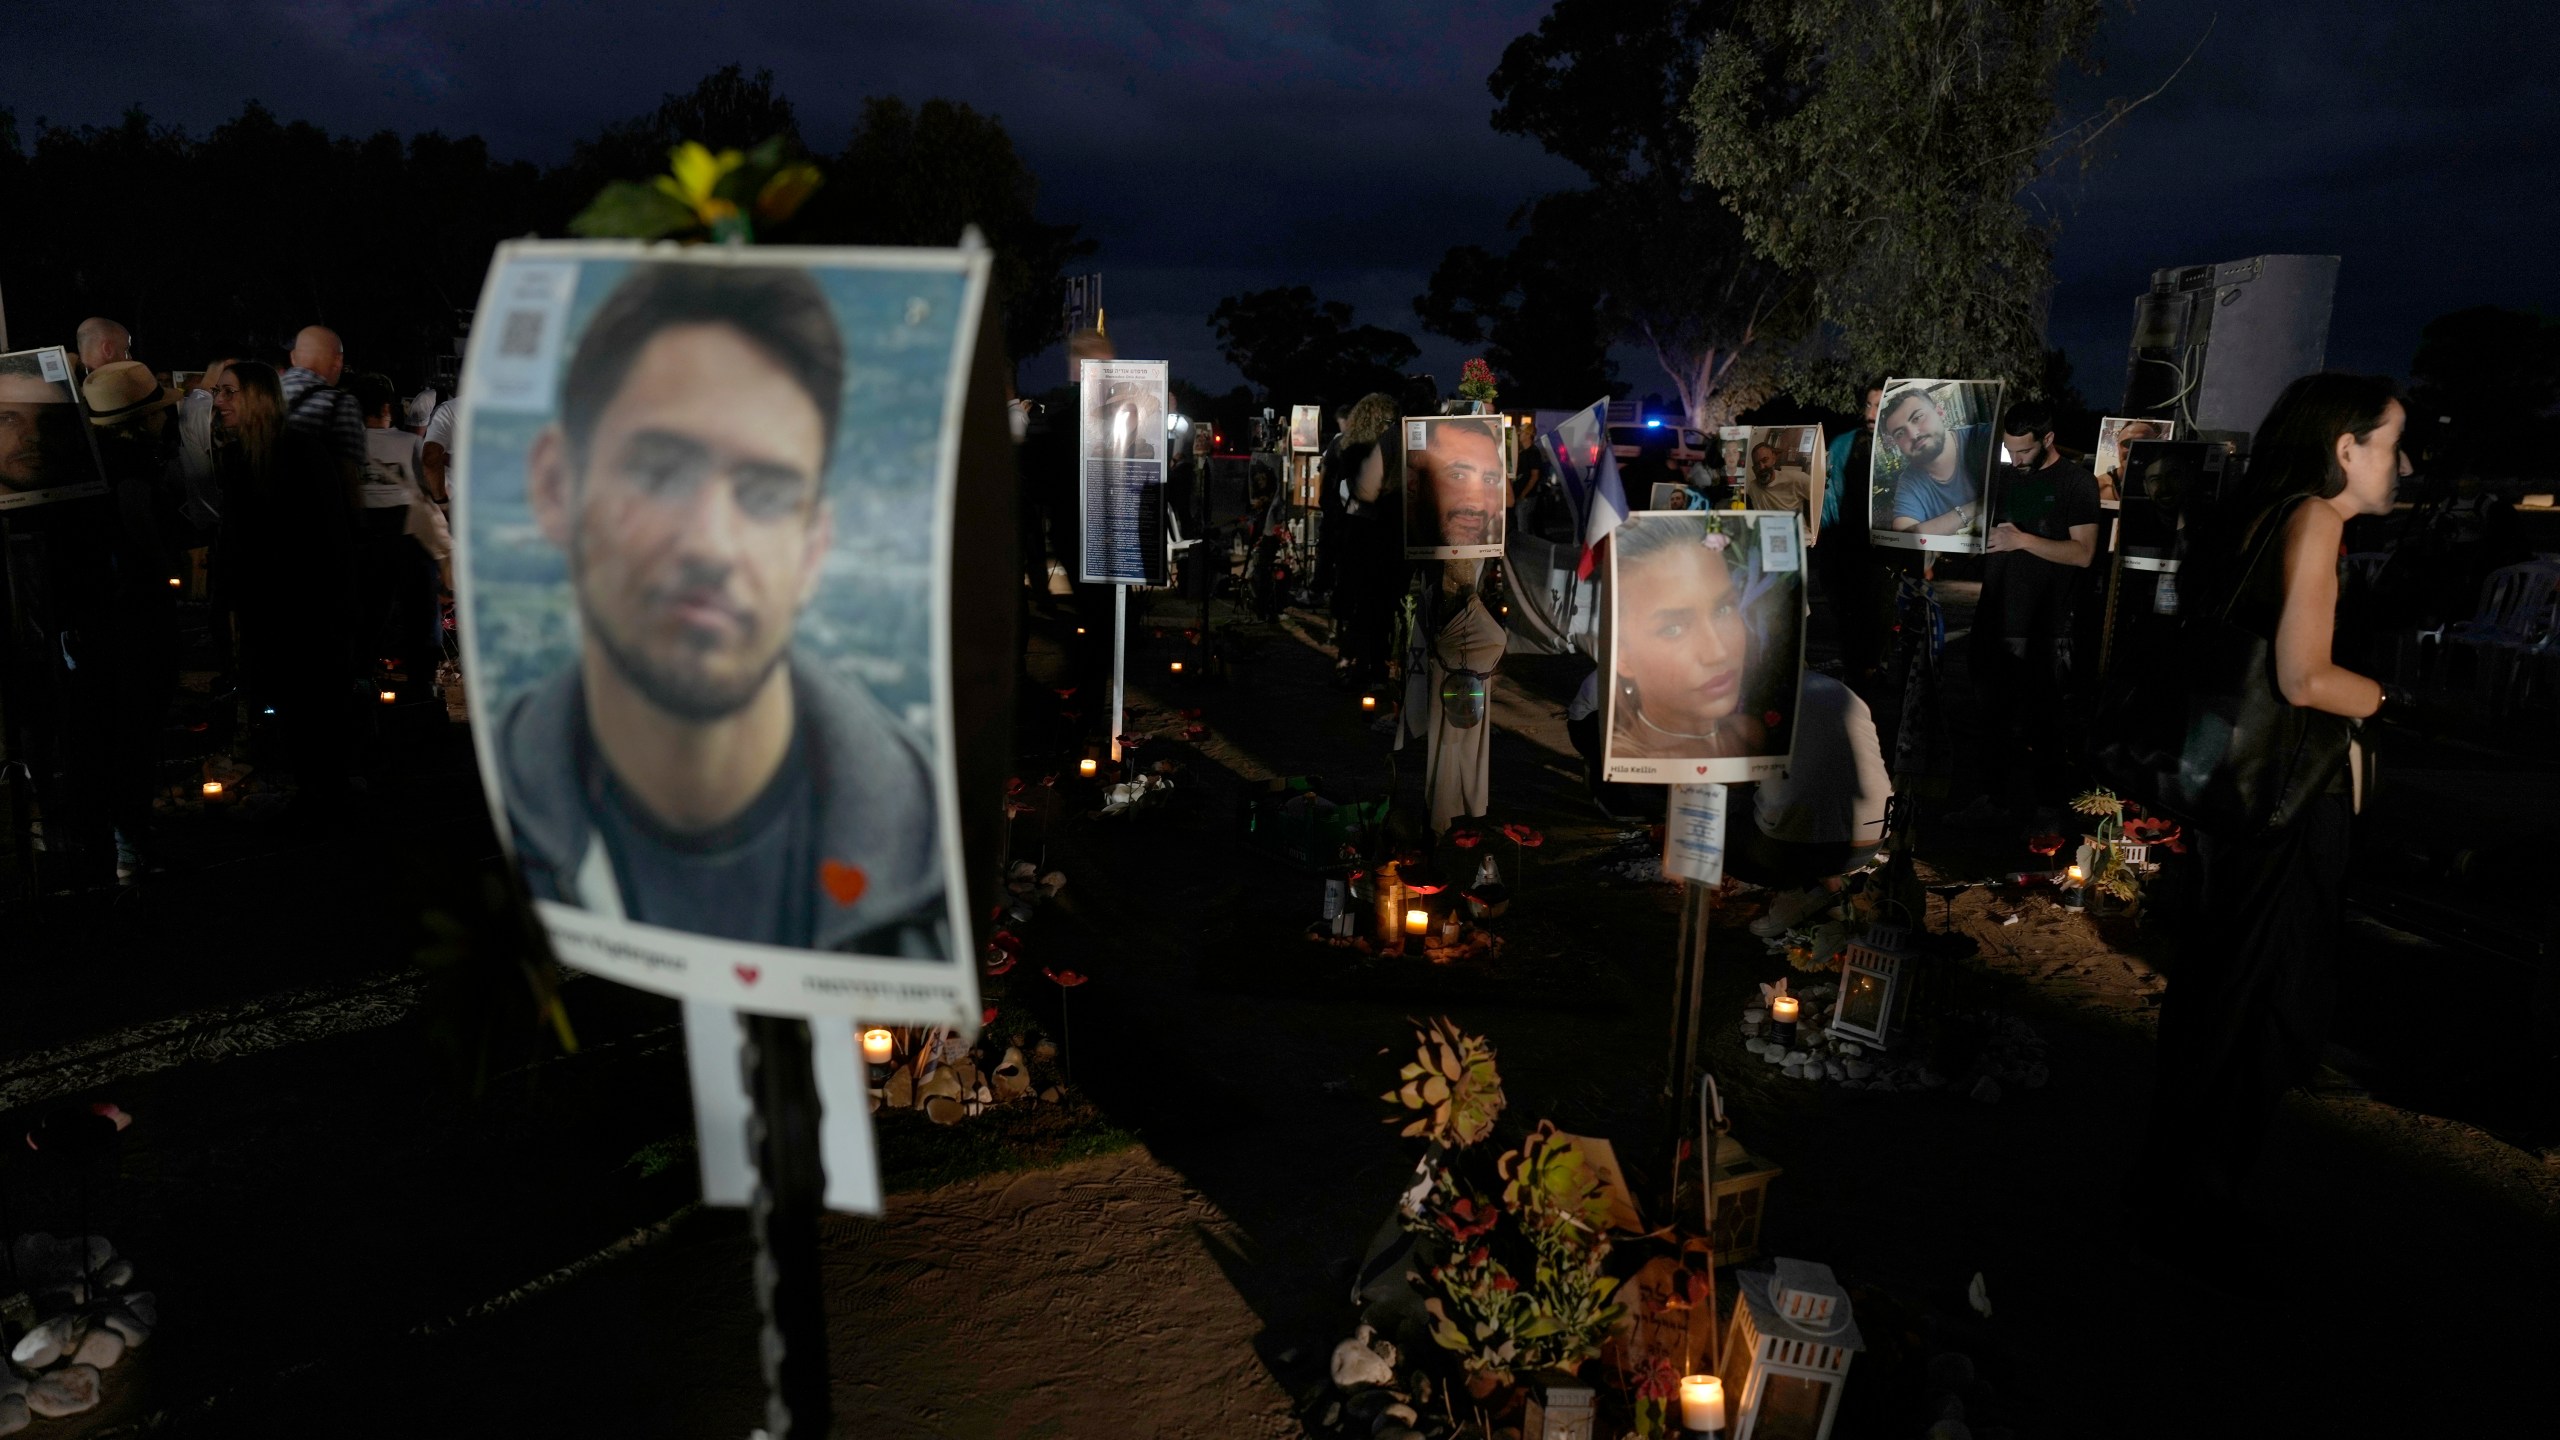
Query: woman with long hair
point(284, 568)
point(2248, 1003)
point(1682, 646)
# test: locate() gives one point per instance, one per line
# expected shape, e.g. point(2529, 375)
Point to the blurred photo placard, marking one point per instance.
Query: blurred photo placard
point(1305, 423)
point(1934, 444)
point(703, 529)
point(1702, 657)
point(1457, 486)
point(45, 451)
point(2114, 433)
point(1122, 405)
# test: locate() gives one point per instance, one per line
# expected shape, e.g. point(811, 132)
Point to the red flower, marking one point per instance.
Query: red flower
point(1523, 835)
point(989, 1018)
point(1194, 732)
point(1465, 1219)
point(1129, 742)
point(1067, 979)
point(1505, 1284)
point(1477, 1255)
point(1465, 839)
point(1013, 786)
point(1424, 889)
point(2046, 844)
point(1048, 781)
point(998, 962)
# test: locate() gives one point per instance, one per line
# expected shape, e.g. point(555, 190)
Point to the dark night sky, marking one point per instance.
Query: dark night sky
point(1343, 143)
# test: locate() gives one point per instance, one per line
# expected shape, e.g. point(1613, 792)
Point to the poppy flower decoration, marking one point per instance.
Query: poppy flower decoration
point(1424, 889)
point(1066, 979)
point(1048, 782)
point(988, 1016)
point(2046, 844)
point(1465, 838)
point(1128, 742)
point(1013, 785)
point(1466, 1218)
point(1194, 732)
point(1003, 952)
point(1524, 836)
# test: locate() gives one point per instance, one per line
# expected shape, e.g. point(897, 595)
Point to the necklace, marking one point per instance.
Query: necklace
point(1647, 722)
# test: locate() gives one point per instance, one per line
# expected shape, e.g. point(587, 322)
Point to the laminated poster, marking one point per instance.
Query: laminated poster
point(1457, 487)
point(1305, 423)
point(1121, 449)
point(1935, 441)
point(45, 450)
point(703, 540)
point(1703, 652)
point(2114, 433)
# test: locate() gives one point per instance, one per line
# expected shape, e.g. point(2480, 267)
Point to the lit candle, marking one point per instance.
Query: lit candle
point(212, 789)
point(1368, 702)
point(388, 696)
point(1088, 766)
point(1079, 629)
point(1177, 667)
point(1417, 922)
point(1702, 1403)
point(173, 582)
point(875, 1046)
point(1782, 1011)
point(2074, 874)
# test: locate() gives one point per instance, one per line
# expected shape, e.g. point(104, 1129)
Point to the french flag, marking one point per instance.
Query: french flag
point(1578, 447)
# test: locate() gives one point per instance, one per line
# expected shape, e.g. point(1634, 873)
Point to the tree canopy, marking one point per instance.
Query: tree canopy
point(1880, 149)
point(228, 243)
point(2485, 384)
point(1643, 254)
point(1298, 350)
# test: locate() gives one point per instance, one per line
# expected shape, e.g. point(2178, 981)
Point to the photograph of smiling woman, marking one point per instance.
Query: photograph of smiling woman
point(1705, 646)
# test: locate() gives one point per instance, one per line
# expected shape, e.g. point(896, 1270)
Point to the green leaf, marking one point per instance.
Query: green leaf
point(628, 210)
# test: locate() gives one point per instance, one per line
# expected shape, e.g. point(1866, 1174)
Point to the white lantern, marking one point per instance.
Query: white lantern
point(1560, 1408)
point(1786, 1355)
point(1875, 985)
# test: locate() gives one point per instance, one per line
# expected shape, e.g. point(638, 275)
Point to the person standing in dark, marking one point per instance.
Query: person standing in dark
point(1844, 562)
point(138, 448)
point(2044, 533)
point(1373, 574)
point(286, 563)
point(2248, 1002)
point(1331, 489)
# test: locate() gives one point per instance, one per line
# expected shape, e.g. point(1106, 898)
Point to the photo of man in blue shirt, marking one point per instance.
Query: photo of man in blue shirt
point(1939, 489)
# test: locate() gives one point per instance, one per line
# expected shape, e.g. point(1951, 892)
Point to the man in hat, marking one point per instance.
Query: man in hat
point(137, 663)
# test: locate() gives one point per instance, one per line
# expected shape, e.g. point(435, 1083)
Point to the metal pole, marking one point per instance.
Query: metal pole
point(1119, 658)
point(789, 1197)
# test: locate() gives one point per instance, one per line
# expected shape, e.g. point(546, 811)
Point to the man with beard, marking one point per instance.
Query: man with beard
point(42, 444)
point(690, 771)
point(1461, 475)
point(1776, 484)
point(1939, 491)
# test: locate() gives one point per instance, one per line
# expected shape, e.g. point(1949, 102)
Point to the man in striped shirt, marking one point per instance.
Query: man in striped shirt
point(312, 402)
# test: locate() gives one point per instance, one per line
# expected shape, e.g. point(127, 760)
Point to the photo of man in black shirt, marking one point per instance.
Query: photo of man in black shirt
point(689, 770)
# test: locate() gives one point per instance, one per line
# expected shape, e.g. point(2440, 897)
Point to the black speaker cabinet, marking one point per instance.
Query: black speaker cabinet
point(2214, 344)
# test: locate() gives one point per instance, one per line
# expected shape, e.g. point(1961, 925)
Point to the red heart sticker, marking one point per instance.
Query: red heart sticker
point(1702, 769)
point(843, 883)
point(747, 974)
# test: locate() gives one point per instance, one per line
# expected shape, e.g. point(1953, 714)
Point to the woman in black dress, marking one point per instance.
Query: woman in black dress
point(2248, 1003)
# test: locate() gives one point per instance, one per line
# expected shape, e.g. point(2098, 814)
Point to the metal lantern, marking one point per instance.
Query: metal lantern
point(1786, 1355)
point(1875, 985)
point(1560, 1408)
point(1739, 1182)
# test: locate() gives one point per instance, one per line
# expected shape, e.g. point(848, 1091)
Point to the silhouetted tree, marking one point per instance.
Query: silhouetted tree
point(2485, 391)
point(1297, 350)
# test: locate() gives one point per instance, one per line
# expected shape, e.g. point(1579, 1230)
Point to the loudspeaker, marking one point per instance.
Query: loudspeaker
point(2213, 345)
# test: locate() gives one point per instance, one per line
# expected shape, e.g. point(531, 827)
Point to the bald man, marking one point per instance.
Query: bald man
point(103, 342)
point(313, 404)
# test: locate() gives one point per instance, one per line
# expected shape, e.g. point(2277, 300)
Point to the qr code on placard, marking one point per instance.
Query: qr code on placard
point(521, 333)
point(1417, 436)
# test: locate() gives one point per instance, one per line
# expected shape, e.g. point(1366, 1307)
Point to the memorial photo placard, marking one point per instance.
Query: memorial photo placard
point(46, 454)
point(1457, 486)
point(1702, 657)
point(1935, 441)
point(704, 520)
point(1121, 450)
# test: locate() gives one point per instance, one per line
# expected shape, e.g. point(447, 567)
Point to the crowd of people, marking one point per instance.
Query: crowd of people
point(304, 502)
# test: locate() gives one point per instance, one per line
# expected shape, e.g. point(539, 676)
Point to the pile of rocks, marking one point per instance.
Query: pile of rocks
point(2012, 1054)
point(90, 1316)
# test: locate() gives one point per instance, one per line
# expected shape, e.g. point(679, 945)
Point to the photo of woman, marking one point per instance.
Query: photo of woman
point(1705, 646)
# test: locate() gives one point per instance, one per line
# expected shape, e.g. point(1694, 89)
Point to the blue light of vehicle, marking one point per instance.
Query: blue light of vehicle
point(1653, 424)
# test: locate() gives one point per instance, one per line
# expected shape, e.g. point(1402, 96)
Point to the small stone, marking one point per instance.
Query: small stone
point(1395, 1417)
point(127, 1324)
point(68, 1391)
point(1859, 1069)
point(13, 1386)
point(1852, 1049)
point(145, 1307)
point(1755, 1045)
point(116, 1275)
point(1774, 1055)
point(1986, 1090)
point(1356, 1363)
point(103, 1348)
point(1807, 1072)
point(50, 1341)
point(1835, 1069)
point(13, 1414)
